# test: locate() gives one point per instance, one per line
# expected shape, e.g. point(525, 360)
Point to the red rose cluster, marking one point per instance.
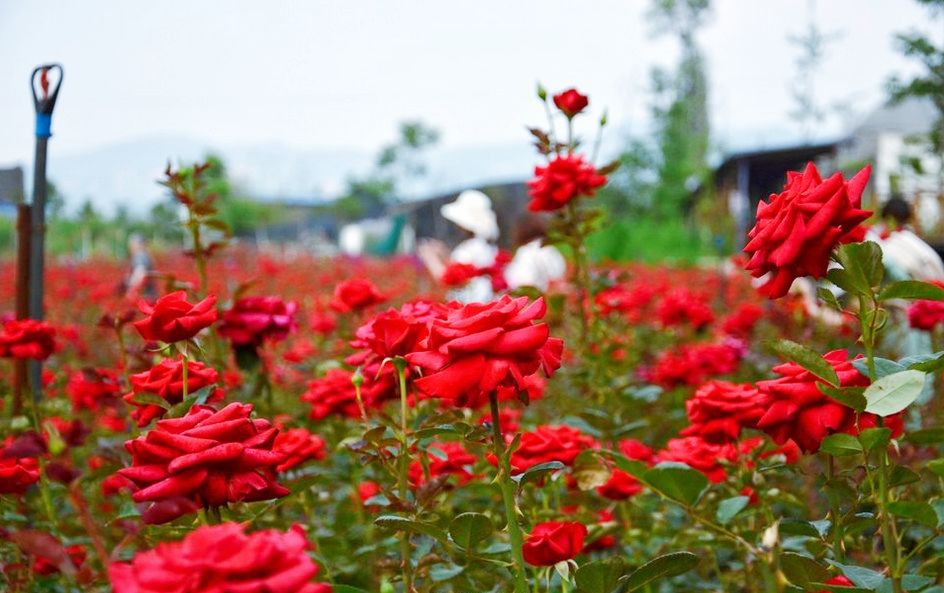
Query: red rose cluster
point(172, 319)
point(27, 338)
point(800, 412)
point(797, 229)
point(253, 320)
point(206, 457)
point(90, 388)
point(564, 178)
point(477, 348)
point(549, 443)
point(222, 558)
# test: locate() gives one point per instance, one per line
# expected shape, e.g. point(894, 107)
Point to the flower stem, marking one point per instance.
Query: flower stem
point(834, 515)
point(403, 468)
point(508, 497)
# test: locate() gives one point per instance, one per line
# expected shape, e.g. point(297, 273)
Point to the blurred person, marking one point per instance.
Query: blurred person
point(905, 254)
point(472, 212)
point(140, 280)
point(534, 263)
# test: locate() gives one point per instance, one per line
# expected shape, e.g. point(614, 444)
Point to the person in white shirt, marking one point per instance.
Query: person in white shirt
point(534, 264)
point(472, 212)
point(904, 253)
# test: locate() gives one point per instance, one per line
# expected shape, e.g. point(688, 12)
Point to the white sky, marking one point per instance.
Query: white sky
point(333, 74)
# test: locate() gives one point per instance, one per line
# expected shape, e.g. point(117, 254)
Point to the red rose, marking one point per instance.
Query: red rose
point(621, 485)
point(90, 389)
point(798, 229)
point(682, 306)
point(334, 394)
point(166, 379)
point(322, 322)
point(17, 473)
point(480, 347)
point(553, 542)
point(693, 364)
point(838, 580)
point(571, 102)
point(699, 454)
point(355, 294)
point(255, 319)
point(367, 490)
point(549, 443)
point(173, 319)
point(210, 457)
point(27, 338)
point(459, 274)
point(719, 410)
point(221, 558)
point(799, 411)
point(564, 178)
point(298, 445)
point(926, 315)
point(450, 459)
point(741, 322)
point(47, 566)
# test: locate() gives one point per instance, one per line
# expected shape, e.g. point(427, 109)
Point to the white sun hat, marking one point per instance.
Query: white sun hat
point(472, 210)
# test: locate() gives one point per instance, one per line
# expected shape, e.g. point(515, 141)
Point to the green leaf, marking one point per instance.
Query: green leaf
point(798, 527)
point(440, 573)
point(346, 589)
point(892, 394)
point(633, 467)
point(928, 363)
point(662, 567)
point(730, 507)
point(828, 297)
point(600, 576)
point(936, 466)
point(860, 577)
point(919, 512)
point(841, 445)
point(151, 399)
point(537, 472)
point(902, 475)
point(912, 289)
point(928, 436)
point(403, 524)
point(852, 397)
point(470, 529)
point(677, 481)
point(863, 264)
point(425, 433)
point(875, 438)
point(808, 359)
point(883, 367)
point(802, 570)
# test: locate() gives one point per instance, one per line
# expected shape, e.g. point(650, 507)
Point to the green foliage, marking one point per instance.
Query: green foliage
point(647, 240)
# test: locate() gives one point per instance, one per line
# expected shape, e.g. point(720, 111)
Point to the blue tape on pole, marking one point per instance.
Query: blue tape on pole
point(43, 125)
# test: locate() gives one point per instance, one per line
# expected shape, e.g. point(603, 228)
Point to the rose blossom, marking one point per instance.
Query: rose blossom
point(553, 542)
point(17, 473)
point(926, 315)
point(91, 388)
point(719, 410)
point(255, 319)
point(564, 178)
point(334, 393)
point(221, 558)
point(172, 319)
point(682, 306)
point(298, 446)
point(166, 380)
point(480, 347)
point(210, 457)
point(27, 338)
point(456, 463)
point(699, 454)
point(798, 228)
point(549, 443)
point(799, 411)
point(355, 294)
point(571, 102)
point(621, 485)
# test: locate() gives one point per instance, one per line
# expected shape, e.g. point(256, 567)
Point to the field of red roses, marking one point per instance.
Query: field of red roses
point(277, 423)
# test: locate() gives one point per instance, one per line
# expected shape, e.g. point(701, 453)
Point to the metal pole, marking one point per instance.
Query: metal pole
point(44, 102)
point(23, 226)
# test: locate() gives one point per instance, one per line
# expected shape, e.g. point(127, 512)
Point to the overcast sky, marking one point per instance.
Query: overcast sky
point(341, 74)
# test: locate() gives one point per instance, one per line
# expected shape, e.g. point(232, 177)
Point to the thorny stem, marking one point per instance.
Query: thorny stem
point(403, 467)
point(508, 497)
point(834, 515)
point(581, 276)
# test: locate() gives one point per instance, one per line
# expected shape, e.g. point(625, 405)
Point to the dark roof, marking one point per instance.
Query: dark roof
point(783, 153)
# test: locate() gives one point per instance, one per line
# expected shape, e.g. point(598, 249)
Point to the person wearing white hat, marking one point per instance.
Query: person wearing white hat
point(472, 212)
